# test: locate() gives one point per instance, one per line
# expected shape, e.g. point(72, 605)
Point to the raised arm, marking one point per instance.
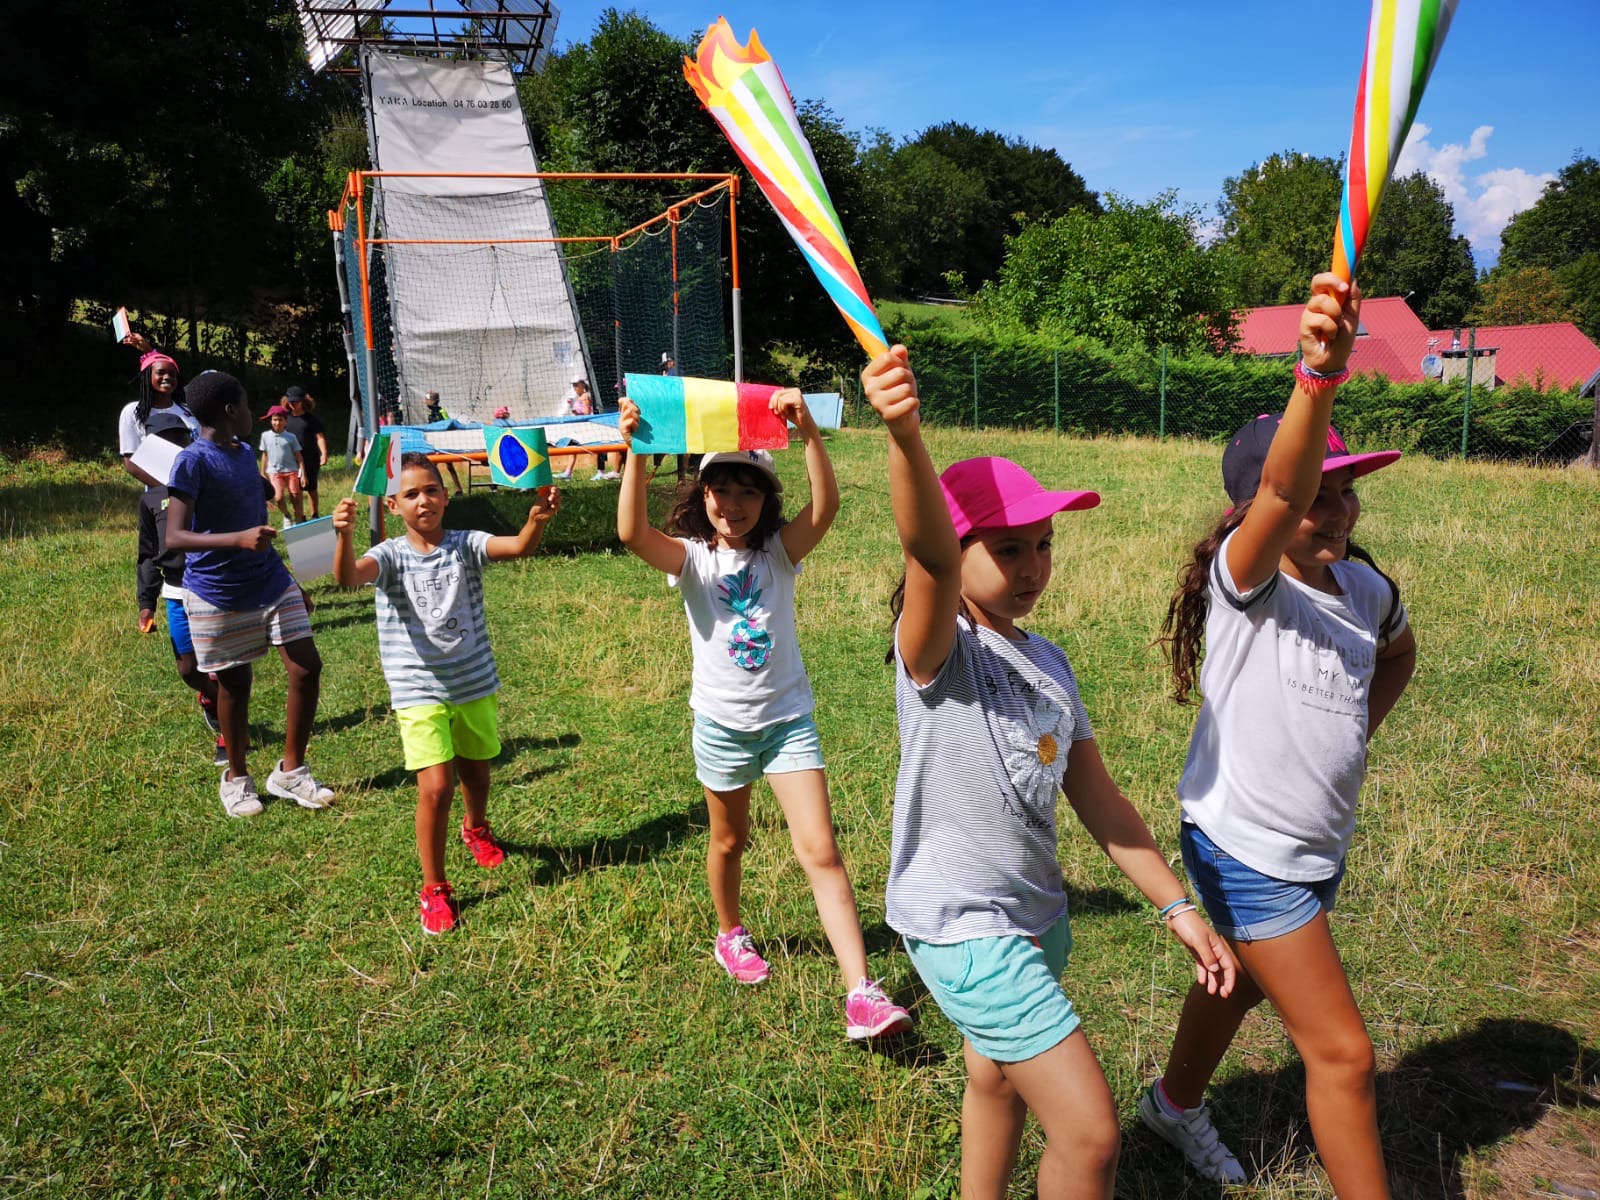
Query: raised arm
point(633, 510)
point(1120, 831)
point(524, 542)
point(801, 535)
point(1293, 470)
point(348, 570)
point(927, 629)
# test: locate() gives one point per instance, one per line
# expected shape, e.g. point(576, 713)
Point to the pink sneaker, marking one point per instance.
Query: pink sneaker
point(868, 1013)
point(738, 956)
point(485, 849)
point(438, 908)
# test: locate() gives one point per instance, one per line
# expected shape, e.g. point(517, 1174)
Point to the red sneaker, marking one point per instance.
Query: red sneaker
point(438, 908)
point(483, 846)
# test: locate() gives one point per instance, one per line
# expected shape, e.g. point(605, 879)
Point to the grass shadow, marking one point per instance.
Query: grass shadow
point(1437, 1105)
point(1081, 902)
point(552, 864)
point(910, 1049)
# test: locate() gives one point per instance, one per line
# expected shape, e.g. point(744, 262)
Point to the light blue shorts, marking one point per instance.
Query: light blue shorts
point(1244, 905)
point(727, 759)
point(1003, 993)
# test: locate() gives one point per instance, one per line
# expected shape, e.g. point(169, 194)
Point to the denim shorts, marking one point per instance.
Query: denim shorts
point(1245, 905)
point(727, 759)
point(1003, 993)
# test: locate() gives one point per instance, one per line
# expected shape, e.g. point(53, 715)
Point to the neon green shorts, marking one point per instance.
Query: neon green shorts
point(432, 734)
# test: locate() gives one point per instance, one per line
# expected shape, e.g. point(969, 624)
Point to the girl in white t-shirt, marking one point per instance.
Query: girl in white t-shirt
point(735, 566)
point(1306, 653)
point(992, 735)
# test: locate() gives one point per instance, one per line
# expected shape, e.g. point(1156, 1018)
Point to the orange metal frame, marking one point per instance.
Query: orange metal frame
point(356, 187)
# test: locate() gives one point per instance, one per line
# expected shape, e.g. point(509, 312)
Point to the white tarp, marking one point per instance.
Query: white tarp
point(485, 326)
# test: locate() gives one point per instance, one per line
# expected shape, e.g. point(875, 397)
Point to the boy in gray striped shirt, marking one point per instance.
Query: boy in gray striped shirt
point(434, 646)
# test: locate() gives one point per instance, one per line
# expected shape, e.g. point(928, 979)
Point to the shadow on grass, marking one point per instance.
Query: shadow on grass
point(1437, 1105)
point(551, 864)
point(910, 1049)
point(503, 772)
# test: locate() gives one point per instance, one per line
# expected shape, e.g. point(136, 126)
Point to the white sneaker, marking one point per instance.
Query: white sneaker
point(299, 786)
point(567, 474)
point(613, 475)
point(597, 477)
point(239, 797)
point(1194, 1135)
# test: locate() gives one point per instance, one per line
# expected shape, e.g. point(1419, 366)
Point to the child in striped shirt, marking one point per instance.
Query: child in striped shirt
point(434, 646)
point(992, 732)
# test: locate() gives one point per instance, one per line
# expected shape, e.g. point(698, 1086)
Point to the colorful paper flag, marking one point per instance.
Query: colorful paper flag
point(518, 458)
point(1403, 42)
point(119, 325)
point(684, 415)
point(742, 89)
point(380, 472)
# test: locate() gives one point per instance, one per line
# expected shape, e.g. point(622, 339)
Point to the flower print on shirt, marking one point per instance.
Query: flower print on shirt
point(749, 643)
point(1034, 748)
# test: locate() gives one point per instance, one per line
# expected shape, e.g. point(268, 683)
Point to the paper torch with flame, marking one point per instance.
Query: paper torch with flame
point(740, 86)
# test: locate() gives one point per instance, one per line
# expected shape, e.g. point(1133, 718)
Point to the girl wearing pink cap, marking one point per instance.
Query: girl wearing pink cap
point(1307, 651)
point(991, 733)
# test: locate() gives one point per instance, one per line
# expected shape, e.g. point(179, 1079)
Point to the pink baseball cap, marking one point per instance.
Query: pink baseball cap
point(1246, 455)
point(277, 410)
point(995, 493)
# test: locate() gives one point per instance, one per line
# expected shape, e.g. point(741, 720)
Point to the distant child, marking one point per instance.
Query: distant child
point(282, 463)
point(160, 391)
point(735, 566)
point(436, 412)
point(238, 596)
point(312, 435)
point(991, 733)
point(1306, 653)
point(434, 646)
point(579, 403)
point(161, 579)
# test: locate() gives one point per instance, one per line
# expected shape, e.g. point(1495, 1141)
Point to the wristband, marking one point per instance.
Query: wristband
point(1178, 903)
point(1315, 380)
point(1186, 907)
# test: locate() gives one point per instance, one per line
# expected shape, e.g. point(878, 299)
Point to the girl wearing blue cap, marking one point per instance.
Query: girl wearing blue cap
point(1306, 653)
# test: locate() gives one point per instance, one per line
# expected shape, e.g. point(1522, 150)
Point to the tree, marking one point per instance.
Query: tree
point(1277, 226)
point(1413, 251)
point(141, 179)
point(1562, 233)
point(1135, 276)
point(960, 192)
point(1522, 296)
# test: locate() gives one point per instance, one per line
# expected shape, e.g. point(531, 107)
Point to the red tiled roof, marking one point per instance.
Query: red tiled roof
point(1557, 353)
point(1394, 342)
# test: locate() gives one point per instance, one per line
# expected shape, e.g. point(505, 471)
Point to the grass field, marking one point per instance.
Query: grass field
point(198, 1006)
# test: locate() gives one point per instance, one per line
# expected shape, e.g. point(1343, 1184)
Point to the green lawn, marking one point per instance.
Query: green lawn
point(199, 1006)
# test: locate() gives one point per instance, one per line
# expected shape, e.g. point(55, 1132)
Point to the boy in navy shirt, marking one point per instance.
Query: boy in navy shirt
point(238, 595)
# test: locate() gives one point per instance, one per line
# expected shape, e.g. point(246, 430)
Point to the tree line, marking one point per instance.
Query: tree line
point(190, 167)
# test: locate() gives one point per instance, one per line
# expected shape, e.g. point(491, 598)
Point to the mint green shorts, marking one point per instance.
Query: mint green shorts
point(1003, 993)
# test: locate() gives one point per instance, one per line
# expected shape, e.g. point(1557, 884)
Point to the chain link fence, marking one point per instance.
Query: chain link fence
point(1496, 406)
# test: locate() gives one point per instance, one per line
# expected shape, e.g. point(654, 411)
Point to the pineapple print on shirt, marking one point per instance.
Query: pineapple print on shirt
point(749, 643)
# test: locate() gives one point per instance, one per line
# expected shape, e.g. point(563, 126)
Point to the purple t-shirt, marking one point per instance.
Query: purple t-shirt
point(223, 488)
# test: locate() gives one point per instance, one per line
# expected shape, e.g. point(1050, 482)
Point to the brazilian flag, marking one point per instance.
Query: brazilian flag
point(518, 458)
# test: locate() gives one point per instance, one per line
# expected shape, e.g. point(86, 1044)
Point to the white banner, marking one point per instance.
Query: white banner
point(486, 326)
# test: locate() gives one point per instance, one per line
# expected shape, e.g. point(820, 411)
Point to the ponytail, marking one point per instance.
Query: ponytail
point(1184, 630)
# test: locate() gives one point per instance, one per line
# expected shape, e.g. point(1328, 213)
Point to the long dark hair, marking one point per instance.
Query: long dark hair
point(688, 517)
point(147, 392)
point(1183, 632)
point(897, 604)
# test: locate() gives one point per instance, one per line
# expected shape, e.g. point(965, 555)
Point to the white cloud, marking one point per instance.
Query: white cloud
point(1486, 202)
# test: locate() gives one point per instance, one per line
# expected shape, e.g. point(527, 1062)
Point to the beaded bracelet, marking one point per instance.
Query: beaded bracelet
point(1178, 903)
point(1314, 380)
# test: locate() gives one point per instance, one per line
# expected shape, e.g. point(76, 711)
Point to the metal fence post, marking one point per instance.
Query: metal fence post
point(1161, 426)
point(1057, 357)
point(974, 390)
point(1466, 401)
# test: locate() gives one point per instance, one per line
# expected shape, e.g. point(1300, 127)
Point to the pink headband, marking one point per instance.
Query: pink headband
point(155, 356)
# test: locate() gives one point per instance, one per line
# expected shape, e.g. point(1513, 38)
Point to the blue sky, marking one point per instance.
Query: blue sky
point(1139, 98)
